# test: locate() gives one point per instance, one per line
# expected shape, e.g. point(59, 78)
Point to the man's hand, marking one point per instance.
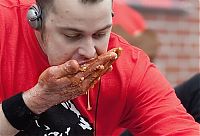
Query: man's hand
point(67, 81)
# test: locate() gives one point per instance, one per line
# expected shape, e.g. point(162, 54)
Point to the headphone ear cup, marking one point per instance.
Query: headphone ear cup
point(34, 17)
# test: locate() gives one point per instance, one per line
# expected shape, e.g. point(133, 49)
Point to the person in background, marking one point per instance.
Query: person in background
point(189, 94)
point(131, 25)
point(45, 91)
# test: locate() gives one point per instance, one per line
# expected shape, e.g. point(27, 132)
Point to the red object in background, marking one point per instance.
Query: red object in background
point(159, 4)
point(130, 20)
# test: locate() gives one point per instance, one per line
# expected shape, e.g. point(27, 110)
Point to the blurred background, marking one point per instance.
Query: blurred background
point(176, 24)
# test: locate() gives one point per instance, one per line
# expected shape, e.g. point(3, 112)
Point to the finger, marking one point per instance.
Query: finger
point(101, 70)
point(99, 63)
point(68, 68)
point(99, 66)
point(89, 83)
point(63, 82)
point(97, 74)
point(92, 79)
point(110, 68)
point(116, 50)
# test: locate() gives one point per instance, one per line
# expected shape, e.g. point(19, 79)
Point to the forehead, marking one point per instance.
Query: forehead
point(78, 14)
point(80, 5)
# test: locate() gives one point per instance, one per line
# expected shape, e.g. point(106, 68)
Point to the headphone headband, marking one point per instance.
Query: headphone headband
point(34, 16)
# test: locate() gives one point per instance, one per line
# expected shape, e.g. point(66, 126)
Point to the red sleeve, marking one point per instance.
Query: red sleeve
point(156, 110)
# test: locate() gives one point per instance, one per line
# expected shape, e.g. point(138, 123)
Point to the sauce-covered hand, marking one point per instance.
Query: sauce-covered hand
point(67, 81)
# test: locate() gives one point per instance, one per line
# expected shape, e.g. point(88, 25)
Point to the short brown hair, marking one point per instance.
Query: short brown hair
point(44, 4)
point(47, 5)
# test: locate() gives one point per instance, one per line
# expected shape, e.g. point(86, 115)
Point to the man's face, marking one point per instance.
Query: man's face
point(76, 31)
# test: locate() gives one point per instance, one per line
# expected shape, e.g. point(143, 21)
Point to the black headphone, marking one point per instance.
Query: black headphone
point(34, 16)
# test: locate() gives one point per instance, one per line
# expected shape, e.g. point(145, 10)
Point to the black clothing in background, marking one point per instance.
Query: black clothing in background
point(189, 94)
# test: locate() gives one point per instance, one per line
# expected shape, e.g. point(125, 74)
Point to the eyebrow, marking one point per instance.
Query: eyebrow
point(81, 31)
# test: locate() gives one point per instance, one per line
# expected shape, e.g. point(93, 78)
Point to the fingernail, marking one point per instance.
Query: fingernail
point(100, 67)
point(82, 78)
point(116, 56)
point(83, 69)
point(92, 86)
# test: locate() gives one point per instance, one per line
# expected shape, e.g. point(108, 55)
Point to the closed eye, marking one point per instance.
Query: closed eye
point(73, 36)
point(98, 35)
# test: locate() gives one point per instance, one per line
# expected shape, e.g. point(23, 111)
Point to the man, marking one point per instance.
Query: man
point(133, 95)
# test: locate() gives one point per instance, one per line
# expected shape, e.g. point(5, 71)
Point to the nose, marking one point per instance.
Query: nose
point(87, 48)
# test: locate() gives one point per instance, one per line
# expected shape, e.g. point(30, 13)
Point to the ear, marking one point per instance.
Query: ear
point(34, 16)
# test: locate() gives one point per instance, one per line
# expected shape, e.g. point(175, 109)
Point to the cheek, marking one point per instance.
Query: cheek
point(55, 44)
point(57, 50)
point(103, 45)
point(101, 48)
point(57, 57)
